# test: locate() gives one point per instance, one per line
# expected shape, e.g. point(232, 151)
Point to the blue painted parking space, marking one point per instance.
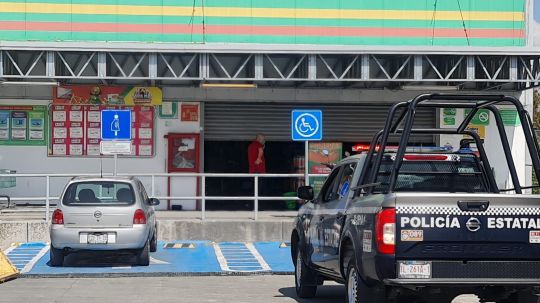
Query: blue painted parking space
point(240, 257)
point(171, 258)
point(277, 257)
point(25, 255)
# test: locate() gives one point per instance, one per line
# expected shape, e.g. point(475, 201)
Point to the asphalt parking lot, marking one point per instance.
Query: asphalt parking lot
point(238, 289)
point(195, 271)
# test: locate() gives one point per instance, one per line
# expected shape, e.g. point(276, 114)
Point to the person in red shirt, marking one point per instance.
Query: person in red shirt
point(257, 163)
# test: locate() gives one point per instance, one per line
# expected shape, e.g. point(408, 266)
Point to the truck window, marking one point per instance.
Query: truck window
point(456, 173)
point(346, 179)
point(329, 189)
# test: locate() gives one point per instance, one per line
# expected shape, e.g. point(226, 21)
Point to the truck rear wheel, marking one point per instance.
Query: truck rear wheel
point(358, 291)
point(301, 277)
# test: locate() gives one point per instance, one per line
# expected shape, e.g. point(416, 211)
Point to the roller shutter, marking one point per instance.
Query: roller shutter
point(343, 123)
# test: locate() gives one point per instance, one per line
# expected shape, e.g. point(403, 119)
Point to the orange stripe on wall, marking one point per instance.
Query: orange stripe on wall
point(260, 30)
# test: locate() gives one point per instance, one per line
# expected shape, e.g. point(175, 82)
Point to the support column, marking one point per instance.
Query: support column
point(312, 67)
point(50, 66)
point(259, 69)
point(102, 65)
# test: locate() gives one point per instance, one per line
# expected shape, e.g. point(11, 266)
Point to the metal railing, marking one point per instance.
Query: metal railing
point(203, 197)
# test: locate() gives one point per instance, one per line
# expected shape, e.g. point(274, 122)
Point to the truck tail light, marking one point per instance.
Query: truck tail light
point(385, 230)
point(58, 217)
point(139, 217)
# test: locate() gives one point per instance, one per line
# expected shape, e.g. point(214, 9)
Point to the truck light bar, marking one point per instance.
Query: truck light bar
point(427, 158)
point(410, 149)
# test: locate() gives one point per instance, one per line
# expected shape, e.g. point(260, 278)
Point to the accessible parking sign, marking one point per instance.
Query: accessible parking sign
point(306, 125)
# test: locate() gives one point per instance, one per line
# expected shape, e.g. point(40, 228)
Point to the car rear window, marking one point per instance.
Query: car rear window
point(460, 173)
point(104, 193)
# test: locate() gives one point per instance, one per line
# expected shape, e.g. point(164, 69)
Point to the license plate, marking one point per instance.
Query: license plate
point(97, 238)
point(414, 270)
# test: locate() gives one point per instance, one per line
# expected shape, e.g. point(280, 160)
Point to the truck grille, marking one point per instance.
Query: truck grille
point(486, 269)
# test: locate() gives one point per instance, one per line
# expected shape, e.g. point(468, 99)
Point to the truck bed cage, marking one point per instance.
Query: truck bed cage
point(475, 102)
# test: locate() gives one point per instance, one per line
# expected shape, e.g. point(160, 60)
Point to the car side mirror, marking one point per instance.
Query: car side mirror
point(305, 193)
point(153, 201)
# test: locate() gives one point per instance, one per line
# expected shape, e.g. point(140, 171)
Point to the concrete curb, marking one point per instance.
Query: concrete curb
point(146, 275)
point(169, 230)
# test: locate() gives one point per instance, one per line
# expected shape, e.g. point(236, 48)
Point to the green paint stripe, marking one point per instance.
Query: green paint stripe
point(137, 37)
point(466, 5)
point(258, 21)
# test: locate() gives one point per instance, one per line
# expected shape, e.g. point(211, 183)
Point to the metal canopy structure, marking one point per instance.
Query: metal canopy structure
point(375, 70)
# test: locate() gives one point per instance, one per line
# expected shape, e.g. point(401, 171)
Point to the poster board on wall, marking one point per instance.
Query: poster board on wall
point(23, 125)
point(107, 95)
point(76, 130)
point(320, 154)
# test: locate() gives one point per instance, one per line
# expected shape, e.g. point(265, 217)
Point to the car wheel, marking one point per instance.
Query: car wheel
point(56, 257)
point(301, 275)
point(153, 241)
point(143, 255)
point(358, 291)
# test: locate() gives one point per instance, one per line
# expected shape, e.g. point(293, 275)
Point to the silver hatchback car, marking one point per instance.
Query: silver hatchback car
point(104, 214)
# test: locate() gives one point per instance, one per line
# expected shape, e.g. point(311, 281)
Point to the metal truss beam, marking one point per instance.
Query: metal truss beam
point(464, 71)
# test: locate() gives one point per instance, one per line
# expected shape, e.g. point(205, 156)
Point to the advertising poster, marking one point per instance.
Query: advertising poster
point(189, 112)
point(76, 130)
point(36, 126)
point(323, 155)
point(4, 125)
point(23, 125)
point(106, 95)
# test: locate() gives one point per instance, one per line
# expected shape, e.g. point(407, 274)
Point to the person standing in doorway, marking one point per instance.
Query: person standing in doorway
point(257, 163)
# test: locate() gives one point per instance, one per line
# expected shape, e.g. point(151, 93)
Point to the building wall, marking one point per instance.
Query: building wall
point(34, 159)
point(493, 147)
point(296, 22)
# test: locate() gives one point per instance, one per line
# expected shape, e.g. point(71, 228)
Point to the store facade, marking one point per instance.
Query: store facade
point(203, 78)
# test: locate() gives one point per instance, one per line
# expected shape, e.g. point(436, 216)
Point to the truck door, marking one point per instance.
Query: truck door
point(335, 218)
point(326, 200)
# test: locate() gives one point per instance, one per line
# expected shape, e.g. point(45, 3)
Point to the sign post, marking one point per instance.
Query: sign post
point(115, 134)
point(306, 125)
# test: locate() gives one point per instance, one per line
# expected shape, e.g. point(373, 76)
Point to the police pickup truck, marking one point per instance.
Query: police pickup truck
point(409, 225)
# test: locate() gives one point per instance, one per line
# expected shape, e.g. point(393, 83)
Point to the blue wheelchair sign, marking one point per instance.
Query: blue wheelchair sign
point(306, 125)
point(116, 125)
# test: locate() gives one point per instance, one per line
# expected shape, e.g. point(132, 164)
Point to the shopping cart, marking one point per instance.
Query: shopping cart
point(7, 182)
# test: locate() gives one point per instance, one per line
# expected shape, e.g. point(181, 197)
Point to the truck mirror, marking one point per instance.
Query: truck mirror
point(305, 193)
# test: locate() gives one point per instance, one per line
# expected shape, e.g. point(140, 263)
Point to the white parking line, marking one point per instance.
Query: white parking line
point(9, 249)
point(258, 256)
point(242, 257)
point(221, 258)
point(34, 260)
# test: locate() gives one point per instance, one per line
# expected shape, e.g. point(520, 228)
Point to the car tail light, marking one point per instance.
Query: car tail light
point(58, 217)
point(139, 217)
point(385, 229)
